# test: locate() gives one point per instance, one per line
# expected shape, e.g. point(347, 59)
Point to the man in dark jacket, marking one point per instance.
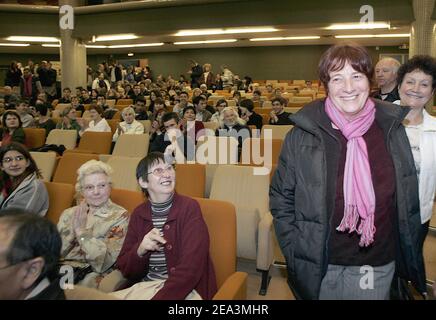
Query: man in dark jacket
point(303, 197)
point(30, 248)
point(251, 117)
point(196, 72)
point(30, 86)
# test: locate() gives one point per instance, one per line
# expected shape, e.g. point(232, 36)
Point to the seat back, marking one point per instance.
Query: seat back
point(217, 150)
point(35, 137)
point(128, 199)
point(249, 193)
point(46, 162)
point(67, 138)
point(146, 124)
point(96, 142)
point(61, 197)
point(191, 179)
point(253, 150)
point(66, 171)
point(132, 145)
point(220, 218)
point(124, 176)
point(277, 131)
point(125, 102)
point(113, 123)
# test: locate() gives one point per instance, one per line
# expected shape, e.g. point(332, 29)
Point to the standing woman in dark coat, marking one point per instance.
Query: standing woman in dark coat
point(344, 196)
point(13, 76)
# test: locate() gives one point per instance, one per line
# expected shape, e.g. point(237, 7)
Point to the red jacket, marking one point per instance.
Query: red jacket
point(187, 250)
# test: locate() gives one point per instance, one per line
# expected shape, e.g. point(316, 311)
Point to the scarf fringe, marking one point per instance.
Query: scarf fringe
point(350, 220)
point(367, 231)
point(366, 228)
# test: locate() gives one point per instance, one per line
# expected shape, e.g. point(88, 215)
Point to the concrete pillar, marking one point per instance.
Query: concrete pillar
point(73, 56)
point(421, 33)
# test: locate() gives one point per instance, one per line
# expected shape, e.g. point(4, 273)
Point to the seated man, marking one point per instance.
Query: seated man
point(23, 110)
point(167, 241)
point(66, 96)
point(248, 114)
point(278, 116)
point(30, 248)
point(161, 139)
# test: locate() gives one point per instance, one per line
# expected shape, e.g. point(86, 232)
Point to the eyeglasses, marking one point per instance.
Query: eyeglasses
point(91, 188)
point(10, 159)
point(159, 172)
point(276, 104)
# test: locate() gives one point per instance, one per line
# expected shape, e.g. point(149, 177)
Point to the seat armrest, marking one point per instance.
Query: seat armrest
point(265, 249)
point(234, 288)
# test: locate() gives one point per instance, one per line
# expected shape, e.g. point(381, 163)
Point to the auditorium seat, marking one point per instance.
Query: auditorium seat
point(127, 199)
point(46, 162)
point(94, 142)
point(35, 137)
point(61, 197)
point(59, 137)
point(191, 179)
point(66, 170)
point(248, 192)
point(220, 219)
point(277, 132)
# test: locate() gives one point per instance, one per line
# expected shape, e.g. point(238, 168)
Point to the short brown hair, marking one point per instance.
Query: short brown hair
point(335, 57)
point(96, 108)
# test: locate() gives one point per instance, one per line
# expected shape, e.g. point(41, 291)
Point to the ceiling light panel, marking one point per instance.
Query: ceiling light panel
point(356, 26)
point(205, 42)
point(203, 32)
point(32, 39)
point(14, 44)
point(116, 37)
point(286, 38)
point(361, 36)
point(137, 45)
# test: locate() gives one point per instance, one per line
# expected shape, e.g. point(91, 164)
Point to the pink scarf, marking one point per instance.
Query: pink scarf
point(359, 197)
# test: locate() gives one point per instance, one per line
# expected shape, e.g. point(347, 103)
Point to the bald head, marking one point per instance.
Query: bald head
point(386, 74)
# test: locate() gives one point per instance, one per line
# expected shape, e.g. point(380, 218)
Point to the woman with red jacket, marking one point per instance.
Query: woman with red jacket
point(166, 248)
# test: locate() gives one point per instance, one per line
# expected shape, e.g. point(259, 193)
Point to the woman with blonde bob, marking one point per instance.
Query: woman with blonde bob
point(93, 231)
point(345, 192)
point(129, 125)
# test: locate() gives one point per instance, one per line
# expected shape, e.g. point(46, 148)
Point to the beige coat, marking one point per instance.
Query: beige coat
point(101, 242)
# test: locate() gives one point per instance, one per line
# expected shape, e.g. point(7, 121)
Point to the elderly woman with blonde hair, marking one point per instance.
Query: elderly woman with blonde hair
point(129, 125)
point(93, 231)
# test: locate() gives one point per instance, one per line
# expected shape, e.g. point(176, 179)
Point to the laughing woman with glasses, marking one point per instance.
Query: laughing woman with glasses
point(93, 231)
point(21, 187)
point(167, 242)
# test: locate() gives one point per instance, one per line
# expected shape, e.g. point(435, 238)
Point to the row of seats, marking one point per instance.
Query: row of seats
point(238, 185)
point(219, 216)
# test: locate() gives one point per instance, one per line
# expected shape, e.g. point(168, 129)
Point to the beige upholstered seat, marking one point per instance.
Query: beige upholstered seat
point(124, 176)
point(277, 132)
point(46, 162)
point(249, 194)
point(67, 138)
point(129, 145)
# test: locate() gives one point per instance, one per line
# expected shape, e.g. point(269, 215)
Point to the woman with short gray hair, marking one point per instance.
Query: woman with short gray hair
point(129, 125)
point(93, 231)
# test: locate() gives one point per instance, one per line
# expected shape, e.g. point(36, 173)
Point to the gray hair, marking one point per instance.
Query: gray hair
point(127, 110)
point(91, 167)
